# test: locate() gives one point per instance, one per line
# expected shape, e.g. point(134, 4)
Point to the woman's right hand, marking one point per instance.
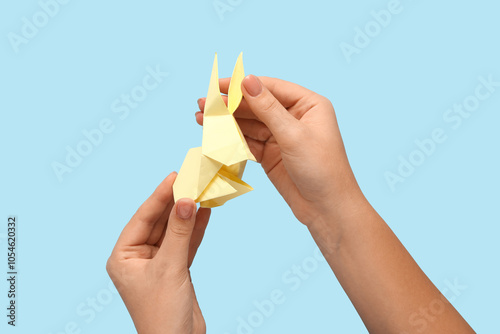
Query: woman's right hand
point(293, 133)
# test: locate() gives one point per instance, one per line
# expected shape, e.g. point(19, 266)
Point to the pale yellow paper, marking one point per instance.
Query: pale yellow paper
point(240, 187)
point(196, 173)
point(234, 94)
point(217, 188)
point(222, 137)
point(211, 174)
point(236, 169)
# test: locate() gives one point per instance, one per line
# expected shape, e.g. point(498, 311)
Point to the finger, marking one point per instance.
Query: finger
point(269, 110)
point(283, 183)
point(160, 226)
point(174, 249)
point(199, 117)
point(243, 110)
point(287, 93)
point(138, 230)
point(250, 127)
point(256, 147)
point(162, 237)
point(254, 129)
point(202, 218)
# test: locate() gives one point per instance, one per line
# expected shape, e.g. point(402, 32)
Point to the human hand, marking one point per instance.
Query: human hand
point(150, 263)
point(293, 133)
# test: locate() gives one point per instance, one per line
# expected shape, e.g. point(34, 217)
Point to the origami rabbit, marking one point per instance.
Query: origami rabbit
point(211, 174)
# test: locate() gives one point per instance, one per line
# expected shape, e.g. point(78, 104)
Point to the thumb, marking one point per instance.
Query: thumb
point(174, 249)
point(269, 110)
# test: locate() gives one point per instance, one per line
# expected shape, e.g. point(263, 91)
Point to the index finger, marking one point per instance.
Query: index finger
point(286, 92)
point(243, 110)
point(140, 226)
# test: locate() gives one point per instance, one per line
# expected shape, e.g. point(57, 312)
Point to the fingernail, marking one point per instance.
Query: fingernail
point(252, 85)
point(184, 208)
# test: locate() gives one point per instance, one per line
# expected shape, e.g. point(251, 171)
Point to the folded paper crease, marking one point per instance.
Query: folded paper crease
point(211, 174)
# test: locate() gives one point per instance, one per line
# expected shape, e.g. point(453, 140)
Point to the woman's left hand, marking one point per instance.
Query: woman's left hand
point(150, 263)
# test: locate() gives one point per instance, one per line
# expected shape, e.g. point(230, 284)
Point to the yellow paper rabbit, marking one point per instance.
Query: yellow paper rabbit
point(211, 174)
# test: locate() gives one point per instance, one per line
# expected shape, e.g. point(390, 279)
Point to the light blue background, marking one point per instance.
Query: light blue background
point(393, 92)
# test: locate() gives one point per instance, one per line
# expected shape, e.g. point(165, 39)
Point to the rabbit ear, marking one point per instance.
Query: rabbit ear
point(234, 93)
point(222, 139)
point(215, 106)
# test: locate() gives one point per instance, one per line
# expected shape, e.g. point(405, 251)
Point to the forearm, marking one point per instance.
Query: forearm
point(382, 280)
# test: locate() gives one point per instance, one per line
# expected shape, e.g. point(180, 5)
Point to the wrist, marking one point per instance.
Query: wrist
point(337, 217)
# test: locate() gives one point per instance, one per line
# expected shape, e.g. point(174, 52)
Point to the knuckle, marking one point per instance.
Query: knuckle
point(110, 265)
point(325, 101)
point(180, 230)
point(145, 252)
point(271, 104)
